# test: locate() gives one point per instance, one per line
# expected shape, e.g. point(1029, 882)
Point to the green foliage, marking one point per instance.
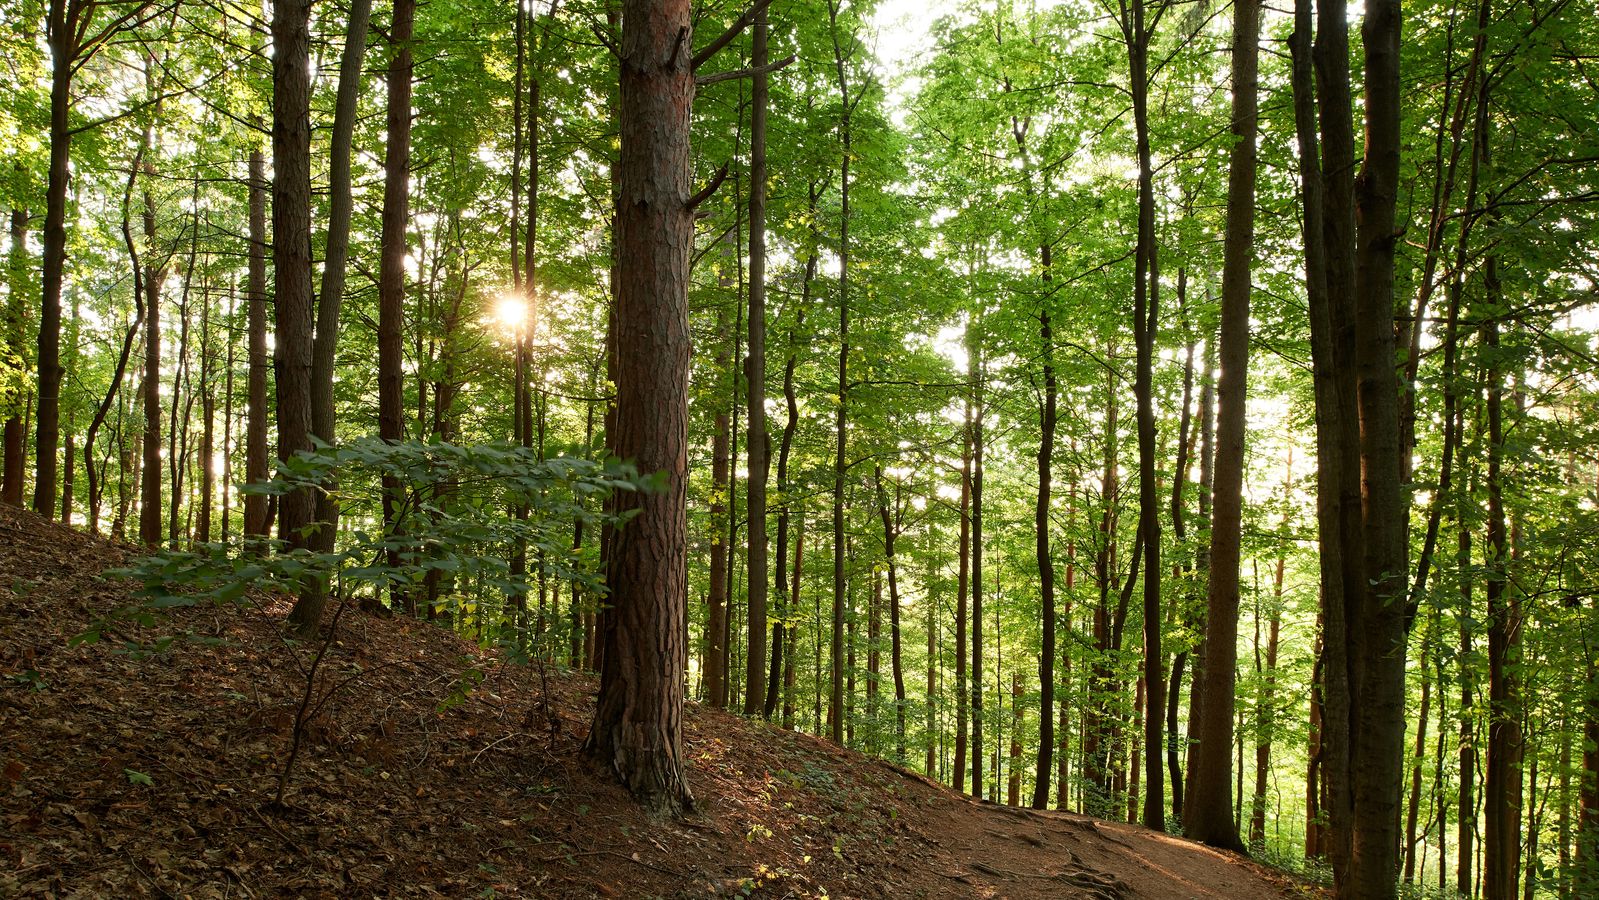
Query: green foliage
point(453, 522)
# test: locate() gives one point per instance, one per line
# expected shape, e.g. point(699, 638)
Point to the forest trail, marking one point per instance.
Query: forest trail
point(439, 771)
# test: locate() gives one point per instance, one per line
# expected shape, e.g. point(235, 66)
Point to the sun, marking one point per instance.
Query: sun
point(511, 312)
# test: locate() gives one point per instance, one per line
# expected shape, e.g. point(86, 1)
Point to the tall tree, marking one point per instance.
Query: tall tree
point(291, 263)
point(759, 442)
point(260, 364)
point(391, 266)
point(1138, 25)
point(330, 296)
point(638, 728)
point(1206, 812)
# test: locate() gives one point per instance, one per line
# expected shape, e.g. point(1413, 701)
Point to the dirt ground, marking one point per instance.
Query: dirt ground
point(438, 770)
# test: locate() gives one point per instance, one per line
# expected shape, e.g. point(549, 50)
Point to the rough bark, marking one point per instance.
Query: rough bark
point(637, 729)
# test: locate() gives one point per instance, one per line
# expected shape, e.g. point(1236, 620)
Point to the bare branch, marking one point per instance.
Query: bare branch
point(704, 193)
point(703, 80)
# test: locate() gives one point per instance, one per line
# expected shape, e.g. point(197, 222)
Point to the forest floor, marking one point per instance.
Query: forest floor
point(124, 775)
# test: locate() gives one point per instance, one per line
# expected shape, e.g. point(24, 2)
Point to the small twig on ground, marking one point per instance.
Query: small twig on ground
point(495, 744)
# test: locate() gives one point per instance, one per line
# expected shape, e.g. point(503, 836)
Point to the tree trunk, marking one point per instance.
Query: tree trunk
point(1146, 313)
point(291, 261)
point(1502, 782)
point(62, 35)
point(715, 662)
point(1205, 810)
point(841, 437)
point(962, 583)
point(15, 431)
point(974, 356)
point(790, 424)
point(154, 275)
point(391, 269)
point(1377, 636)
point(255, 436)
point(890, 533)
point(759, 441)
point(330, 298)
point(1046, 563)
point(1419, 758)
point(637, 728)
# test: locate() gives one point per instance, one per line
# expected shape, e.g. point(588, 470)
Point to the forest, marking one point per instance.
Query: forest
point(1170, 411)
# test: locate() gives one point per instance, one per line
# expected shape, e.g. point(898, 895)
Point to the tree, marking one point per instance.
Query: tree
point(1207, 814)
point(291, 263)
point(637, 729)
point(759, 442)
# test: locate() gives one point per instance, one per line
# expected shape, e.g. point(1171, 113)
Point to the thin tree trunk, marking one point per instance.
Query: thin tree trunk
point(62, 36)
point(890, 533)
point(758, 444)
point(154, 275)
point(391, 268)
point(716, 650)
point(1204, 811)
point(1046, 563)
point(974, 356)
point(330, 298)
point(255, 437)
point(1137, 30)
point(841, 437)
point(291, 260)
point(962, 583)
point(15, 430)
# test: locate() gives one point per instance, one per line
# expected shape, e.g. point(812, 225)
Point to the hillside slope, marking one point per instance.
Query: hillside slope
point(124, 776)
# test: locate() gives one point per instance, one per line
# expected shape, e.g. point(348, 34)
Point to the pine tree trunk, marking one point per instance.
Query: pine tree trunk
point(637, 728)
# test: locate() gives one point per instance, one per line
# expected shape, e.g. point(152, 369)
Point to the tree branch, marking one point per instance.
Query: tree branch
point(704, 193)
point(703, 80)
point(726, 37)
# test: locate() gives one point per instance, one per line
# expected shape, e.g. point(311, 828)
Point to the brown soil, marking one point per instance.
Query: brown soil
point(123, 776)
